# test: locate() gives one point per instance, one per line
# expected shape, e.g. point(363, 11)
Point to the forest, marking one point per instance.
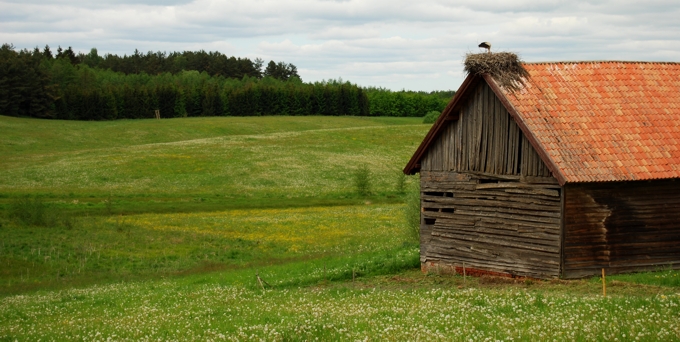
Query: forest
point(76, 86)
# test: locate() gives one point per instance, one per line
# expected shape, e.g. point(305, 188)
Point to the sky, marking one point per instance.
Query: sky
point(395, 44)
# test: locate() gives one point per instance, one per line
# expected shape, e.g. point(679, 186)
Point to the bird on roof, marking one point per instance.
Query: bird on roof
point(486, 45)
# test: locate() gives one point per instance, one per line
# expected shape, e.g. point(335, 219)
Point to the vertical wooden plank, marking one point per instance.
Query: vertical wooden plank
point(468, 135)
point(537, 161)
point(447, 151)
point(525, 157)
point(433, 157)
point(511, 149)
point(500, 143)
point(527, 152)
point(503, 136)
point(479, 127)
point(447, 147)
point(436, 154)
point(492, 146)
point(490, 117)
point(484, 123)
point(463, 137)
point(515, 150)
point(495, 146)
point(530, 158)
point(516, 136)
point(521, 155)
point(474, 152)
point(456, 145)
point(472, 137)
point(502, 140)
point(534, 162)
point(460, 141)
point(442, 152)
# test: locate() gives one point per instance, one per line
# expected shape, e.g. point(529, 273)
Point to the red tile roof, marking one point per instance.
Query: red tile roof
point(590, 121)
point(602, 121)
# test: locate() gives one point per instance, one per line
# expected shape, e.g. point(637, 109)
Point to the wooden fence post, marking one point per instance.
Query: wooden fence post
point(604, 284)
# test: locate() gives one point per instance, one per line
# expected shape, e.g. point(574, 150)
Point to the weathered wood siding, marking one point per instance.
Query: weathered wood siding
point(621, 226)
point(485, 138)
point(488, 200)
point(509, 226)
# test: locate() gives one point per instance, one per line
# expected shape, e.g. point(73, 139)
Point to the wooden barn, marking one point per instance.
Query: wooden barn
point(575, 169)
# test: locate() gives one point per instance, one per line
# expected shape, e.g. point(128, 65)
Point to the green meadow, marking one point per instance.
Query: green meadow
point(260, 228)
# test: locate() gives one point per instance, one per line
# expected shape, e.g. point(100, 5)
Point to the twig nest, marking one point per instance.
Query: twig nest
point(505, 67)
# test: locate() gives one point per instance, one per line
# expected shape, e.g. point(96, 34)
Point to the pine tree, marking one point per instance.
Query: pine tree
point(47, 53)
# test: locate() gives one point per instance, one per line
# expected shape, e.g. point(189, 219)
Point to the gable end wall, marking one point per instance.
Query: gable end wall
point(487, 199)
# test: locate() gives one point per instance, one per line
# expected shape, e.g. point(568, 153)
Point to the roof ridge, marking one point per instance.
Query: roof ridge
point(601, 61)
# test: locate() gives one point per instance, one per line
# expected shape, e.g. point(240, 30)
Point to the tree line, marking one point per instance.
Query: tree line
point(36, 83)
point(153, 63)
point(384, 102)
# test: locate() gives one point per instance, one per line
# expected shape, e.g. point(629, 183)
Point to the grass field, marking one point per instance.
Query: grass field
point(258, 157)
point(159, 229)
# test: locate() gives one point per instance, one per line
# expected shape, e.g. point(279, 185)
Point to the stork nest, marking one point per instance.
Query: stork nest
point(505, 67)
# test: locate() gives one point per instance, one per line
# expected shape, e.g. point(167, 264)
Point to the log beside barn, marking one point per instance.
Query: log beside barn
point(511, 185)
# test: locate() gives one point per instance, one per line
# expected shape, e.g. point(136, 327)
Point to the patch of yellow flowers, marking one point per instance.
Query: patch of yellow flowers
point(315, 229)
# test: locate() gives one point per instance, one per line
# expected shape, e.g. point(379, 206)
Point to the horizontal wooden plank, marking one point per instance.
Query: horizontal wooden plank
point(546, 192)
point(538, 180)
point(487, 175)
point(494, 243)
point(471, 202)
point(539, 268)
point(515, 185)
point(516, 261)
point(501, 235)
point(444, 176)
point(503, 196)
point(498, 209)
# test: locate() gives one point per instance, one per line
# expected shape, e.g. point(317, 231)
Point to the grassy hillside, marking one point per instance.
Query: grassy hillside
point(264, 156)
point(89, 202)
point(159, 229)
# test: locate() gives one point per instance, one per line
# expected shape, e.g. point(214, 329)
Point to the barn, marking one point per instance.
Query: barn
point(567, 169)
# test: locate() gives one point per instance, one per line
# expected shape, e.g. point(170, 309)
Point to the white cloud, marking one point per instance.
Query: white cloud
point(396, 44)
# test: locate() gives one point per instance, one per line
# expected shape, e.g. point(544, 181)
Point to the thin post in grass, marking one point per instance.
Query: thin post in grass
point(259, 280)
point(464, 276)
point(604, 284)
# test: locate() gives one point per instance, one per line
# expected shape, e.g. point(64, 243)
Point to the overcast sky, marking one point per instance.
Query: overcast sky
point(415, 45)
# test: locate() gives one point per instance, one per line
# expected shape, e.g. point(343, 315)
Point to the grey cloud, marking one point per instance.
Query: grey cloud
point(99, 3)
point(397, 44)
